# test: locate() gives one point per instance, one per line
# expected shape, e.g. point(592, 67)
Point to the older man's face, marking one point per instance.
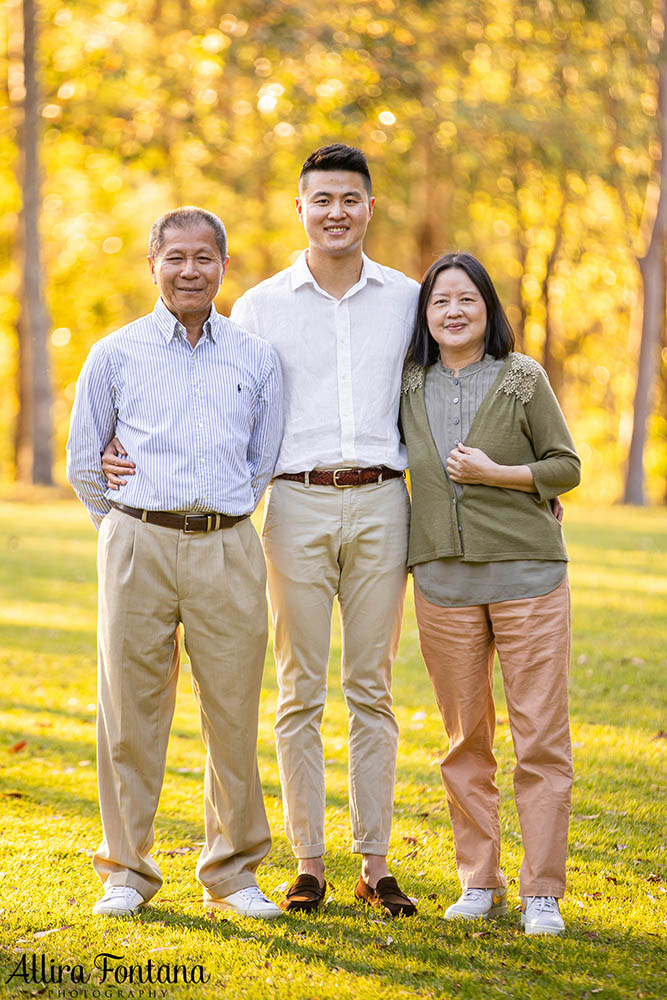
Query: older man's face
point(189, 270)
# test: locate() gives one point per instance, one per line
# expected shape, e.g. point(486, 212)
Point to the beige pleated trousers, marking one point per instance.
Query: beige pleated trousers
point(150, 579)
point(532, 637)
point(321, 541)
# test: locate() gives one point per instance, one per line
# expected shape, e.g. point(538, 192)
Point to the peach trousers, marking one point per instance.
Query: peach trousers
point(150, 579)
point(532, 637)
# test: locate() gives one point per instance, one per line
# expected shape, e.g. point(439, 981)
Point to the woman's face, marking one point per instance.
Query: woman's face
point(456, 318)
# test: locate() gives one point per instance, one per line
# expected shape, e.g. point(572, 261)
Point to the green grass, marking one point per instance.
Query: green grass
point(616, 908)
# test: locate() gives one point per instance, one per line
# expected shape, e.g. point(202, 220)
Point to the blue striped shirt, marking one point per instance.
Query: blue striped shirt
point(202, 424)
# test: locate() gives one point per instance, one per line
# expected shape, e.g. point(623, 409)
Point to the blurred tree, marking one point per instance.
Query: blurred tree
point(33, 426)
point(652, 268)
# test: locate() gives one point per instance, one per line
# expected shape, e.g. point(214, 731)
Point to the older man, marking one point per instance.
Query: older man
point(198, 402)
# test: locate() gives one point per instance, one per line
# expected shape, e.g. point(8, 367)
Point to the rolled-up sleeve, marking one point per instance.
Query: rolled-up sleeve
point(267, 431)
point(91, 428)
point(557, 468)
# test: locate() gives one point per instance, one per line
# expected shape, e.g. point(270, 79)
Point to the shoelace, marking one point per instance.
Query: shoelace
point(473, 894)
point(120, 890)
point(545, 904)
point(252, 892)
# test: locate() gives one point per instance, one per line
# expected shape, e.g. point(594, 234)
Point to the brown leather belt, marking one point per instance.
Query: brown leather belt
point(182, 522)
point(342, 478)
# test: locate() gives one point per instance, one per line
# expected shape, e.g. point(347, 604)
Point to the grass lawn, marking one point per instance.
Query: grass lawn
point(616, 908)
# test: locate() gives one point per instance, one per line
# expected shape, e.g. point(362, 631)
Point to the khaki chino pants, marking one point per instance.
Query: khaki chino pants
point(150, 579)
point(321, 541)
point(532, 637)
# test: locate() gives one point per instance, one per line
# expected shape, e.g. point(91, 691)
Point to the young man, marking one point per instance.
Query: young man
point(337, 515)
point(198, 402)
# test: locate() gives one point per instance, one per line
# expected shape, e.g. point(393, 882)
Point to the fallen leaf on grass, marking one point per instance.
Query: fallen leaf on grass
point(410, 840)
point(620, 847)
point(52, 930)
point(17, 746)
point(176, 850)
point(591, 935)
point(14, 795)
point(478, 934)
point(660, 735)
point(653, 877)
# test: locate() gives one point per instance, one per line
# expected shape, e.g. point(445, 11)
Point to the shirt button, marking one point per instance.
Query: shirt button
point(456, 420)
point(454, 500)
point(456, 381)
point(460, 528)
point(456, 399)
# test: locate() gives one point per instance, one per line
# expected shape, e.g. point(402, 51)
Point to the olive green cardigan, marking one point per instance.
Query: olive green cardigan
point(519, 422)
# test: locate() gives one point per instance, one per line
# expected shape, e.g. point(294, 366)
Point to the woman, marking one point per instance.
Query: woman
point(488, 449)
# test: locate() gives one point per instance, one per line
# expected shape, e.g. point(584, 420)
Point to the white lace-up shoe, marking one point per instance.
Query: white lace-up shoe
point(119, 901)
point(540, 915)
point(250, 902)
point(475, 903)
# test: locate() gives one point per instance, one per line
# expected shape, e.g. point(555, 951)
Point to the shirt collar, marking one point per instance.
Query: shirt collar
point(169, 326)
point(469, 369)
point(302, 275)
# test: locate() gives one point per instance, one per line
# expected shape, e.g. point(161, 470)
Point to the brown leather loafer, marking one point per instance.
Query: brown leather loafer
point(304, 894)
point(386, 896)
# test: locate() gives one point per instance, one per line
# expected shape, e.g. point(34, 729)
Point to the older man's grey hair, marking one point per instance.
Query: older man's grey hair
point(185, 218)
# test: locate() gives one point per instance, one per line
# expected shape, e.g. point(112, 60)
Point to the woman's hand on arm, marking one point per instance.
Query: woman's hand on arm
point(472, 465)
point(116, 464)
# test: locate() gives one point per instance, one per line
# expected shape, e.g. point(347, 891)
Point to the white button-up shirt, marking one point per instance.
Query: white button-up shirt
point(341, 361)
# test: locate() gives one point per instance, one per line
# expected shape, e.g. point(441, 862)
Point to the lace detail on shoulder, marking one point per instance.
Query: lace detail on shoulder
point(413, 377)
point(521, 378)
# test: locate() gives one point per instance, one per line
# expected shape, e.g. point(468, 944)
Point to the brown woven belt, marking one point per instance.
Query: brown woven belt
point(342, 478)
point(182, 522)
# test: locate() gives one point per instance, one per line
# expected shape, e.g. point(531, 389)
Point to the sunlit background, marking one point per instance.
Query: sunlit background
point(525, 132)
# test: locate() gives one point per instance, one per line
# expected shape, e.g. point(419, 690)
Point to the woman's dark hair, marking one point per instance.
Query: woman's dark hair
point(499, 337)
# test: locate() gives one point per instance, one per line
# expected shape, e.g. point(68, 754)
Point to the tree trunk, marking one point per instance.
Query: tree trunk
point(552, 362)
point(34, 431)
point(652, 270)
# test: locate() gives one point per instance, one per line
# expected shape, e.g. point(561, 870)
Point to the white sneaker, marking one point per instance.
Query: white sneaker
point(119, 901)
point(475, 903)
point(250, 902)
point(540, 915)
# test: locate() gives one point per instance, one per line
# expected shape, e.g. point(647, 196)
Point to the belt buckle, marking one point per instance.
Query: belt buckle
point(342, 486)
point(187, 530)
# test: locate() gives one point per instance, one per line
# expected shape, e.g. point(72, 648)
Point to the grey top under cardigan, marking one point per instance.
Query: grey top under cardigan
point(452, 400)
point(519, 422)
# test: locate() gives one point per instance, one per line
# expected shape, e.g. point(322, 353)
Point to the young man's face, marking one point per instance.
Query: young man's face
point(335, 209)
